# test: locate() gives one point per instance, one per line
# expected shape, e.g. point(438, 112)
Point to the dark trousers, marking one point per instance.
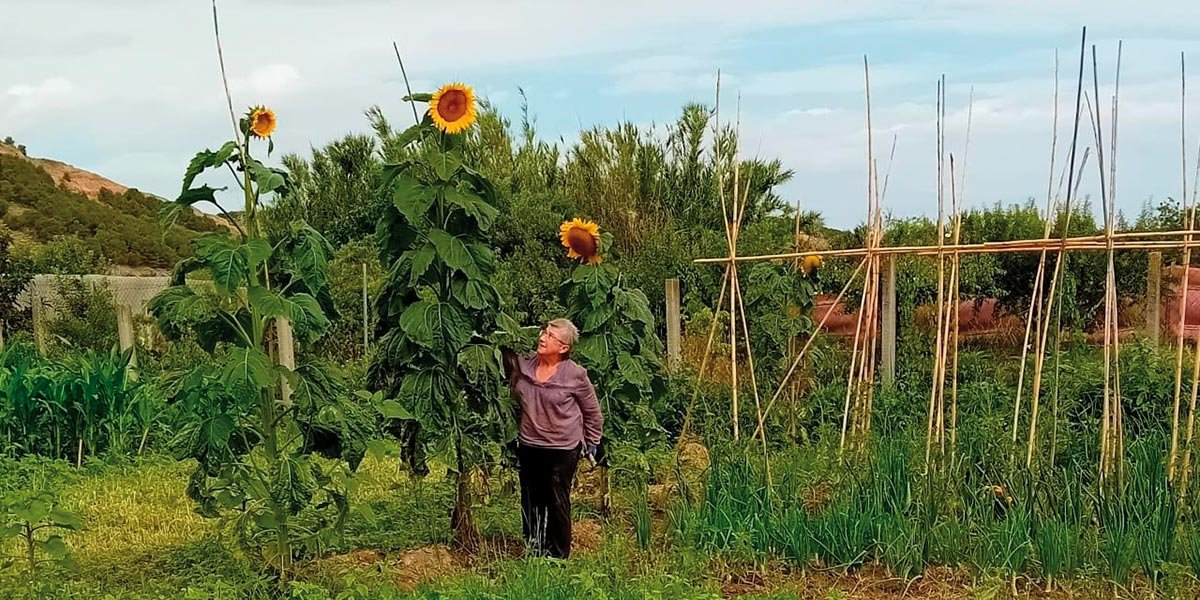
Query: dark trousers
point(546, 476)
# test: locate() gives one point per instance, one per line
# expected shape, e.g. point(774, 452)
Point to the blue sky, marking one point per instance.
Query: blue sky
point(131, 89)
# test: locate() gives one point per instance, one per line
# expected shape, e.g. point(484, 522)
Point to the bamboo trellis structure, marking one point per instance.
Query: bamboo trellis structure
point(1045, 307)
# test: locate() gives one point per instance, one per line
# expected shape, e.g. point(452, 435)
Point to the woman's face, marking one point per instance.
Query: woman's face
point(550, 343)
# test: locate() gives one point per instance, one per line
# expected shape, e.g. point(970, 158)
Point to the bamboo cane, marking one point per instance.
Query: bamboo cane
point(876, 284)
point(712, 330)
point(954, 271)
point(1107, 440)
point(1118, 445)
point(938, 341)
point(712, 334)
point(1038, 283)
point(1189, 217)
point(1187, 462)
point(753, 381)
point(1039, 363)
point(1090, 242)
point(854, 356)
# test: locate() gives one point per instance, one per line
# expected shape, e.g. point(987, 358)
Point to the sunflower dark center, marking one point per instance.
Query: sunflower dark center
point(581, 242)
point(452, 105)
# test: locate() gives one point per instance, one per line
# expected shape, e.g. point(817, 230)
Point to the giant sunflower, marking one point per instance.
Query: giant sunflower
point(262, 122)
point(582, 240)
point(452, 107)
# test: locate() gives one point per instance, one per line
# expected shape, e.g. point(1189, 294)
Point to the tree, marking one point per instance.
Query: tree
point(334, 191)
point(15, 275)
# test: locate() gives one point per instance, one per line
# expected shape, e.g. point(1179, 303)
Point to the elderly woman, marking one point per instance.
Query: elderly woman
point(560, 423)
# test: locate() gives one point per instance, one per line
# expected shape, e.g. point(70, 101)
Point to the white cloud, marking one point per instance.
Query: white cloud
point(818, 111)
point(666, 73)
point(47, 95)
point(268, 80)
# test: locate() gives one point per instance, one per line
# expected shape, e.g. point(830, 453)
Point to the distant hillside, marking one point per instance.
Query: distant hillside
point(42, 200)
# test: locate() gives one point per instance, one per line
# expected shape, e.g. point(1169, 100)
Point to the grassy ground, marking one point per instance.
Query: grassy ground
point(142, 540)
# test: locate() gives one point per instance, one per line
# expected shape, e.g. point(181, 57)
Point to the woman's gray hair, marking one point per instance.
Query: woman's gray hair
point(570, 333)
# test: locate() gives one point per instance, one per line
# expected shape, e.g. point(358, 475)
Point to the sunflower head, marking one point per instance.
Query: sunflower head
point(452, 107)
point(811, 263)
point(582, 240)
point(261, 122)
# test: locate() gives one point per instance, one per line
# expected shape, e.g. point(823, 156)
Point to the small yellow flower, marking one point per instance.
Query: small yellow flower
point(582, 240)
point(452, 107)
point(262, 122)
point(811, 263)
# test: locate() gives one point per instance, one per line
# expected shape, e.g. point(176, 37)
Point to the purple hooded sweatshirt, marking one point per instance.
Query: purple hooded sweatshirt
point(561, 412)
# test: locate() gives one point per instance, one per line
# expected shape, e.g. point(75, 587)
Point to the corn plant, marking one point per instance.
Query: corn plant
point(32, 517)
point(254, 444)
point(29, 421)
point(81, 403)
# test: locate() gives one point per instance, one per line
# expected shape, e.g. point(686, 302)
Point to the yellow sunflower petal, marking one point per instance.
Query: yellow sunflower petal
point(262, 122)
point(811, 263)
point(581, 239)
point(452, 108)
